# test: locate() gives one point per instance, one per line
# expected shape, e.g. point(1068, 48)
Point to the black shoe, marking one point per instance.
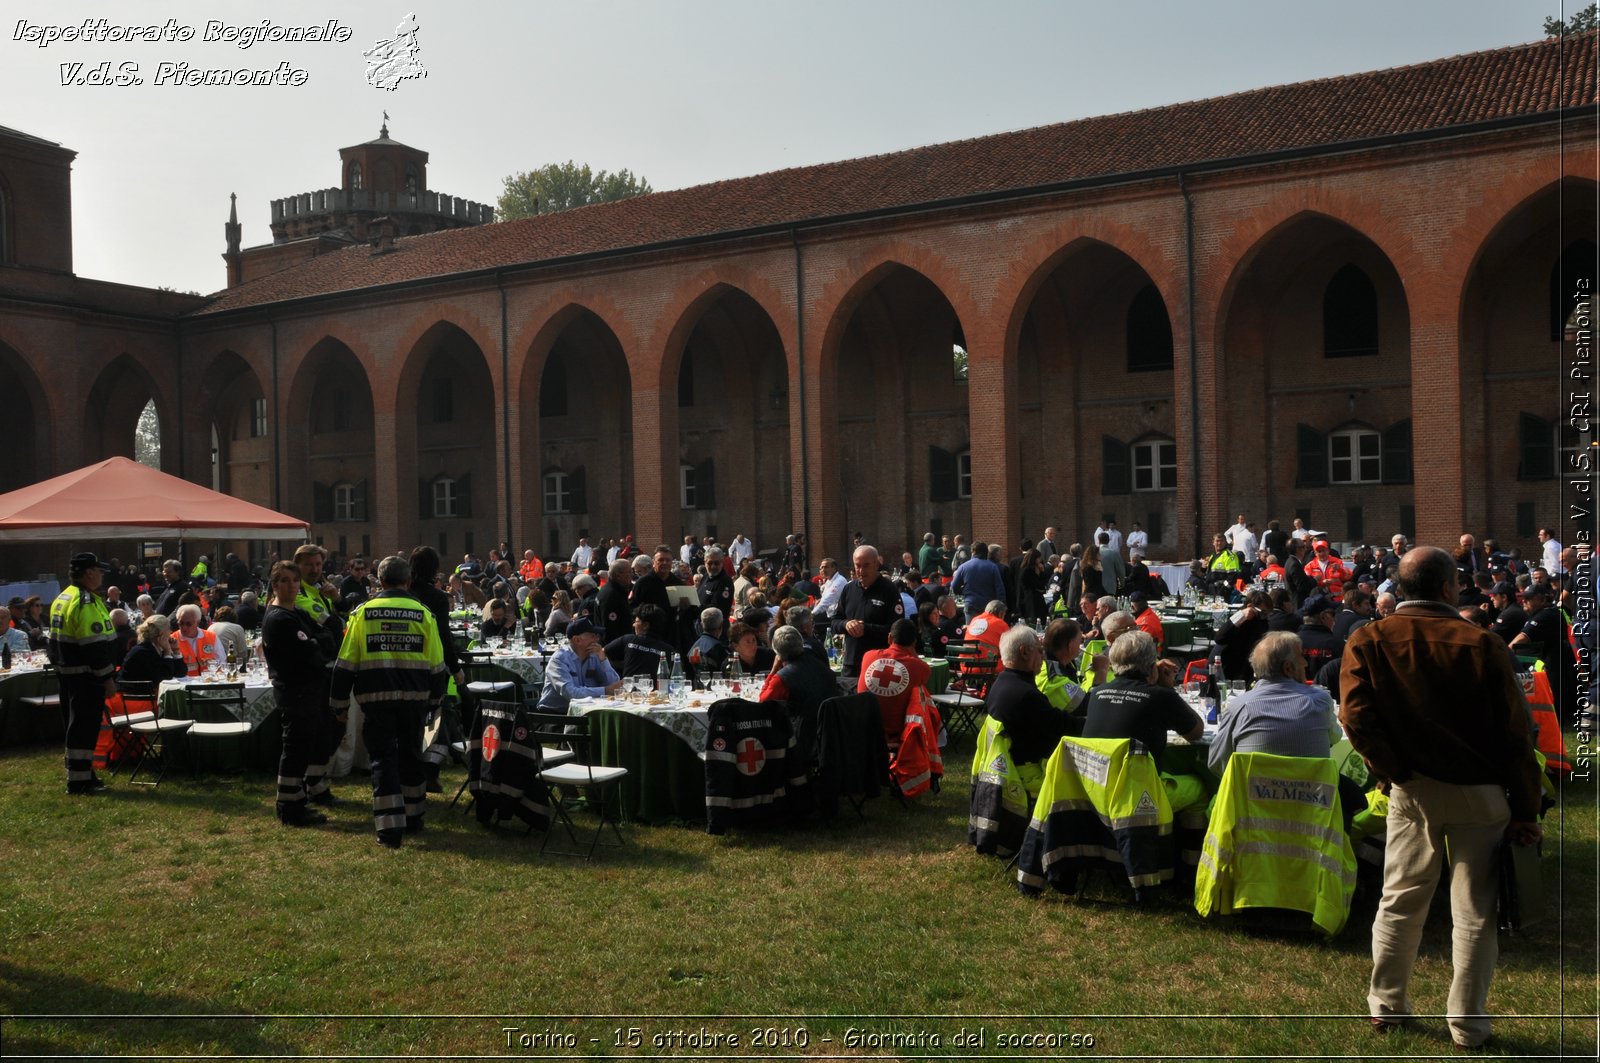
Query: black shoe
point(389, 838)
point(325, 799)
point(302, 818)
point(432, 786)
point(83, 789)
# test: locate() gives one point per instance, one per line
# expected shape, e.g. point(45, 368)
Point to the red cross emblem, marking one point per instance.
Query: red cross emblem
point(888, 678)
point(750, 755)
point(491, 741)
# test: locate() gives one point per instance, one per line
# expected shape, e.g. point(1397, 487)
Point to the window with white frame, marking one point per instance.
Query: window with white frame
point(557, 492)
point(1155, 465)
point(964, 474)
point(686, 486)
point(1355, 456)
point(444, 497)
point(344, 501)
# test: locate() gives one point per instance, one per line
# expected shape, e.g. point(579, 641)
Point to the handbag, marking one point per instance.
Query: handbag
point(1522, 901)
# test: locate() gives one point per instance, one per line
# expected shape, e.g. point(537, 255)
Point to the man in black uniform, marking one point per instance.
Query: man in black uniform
point(612, 613)
point(868, 606)
point(716, 590)
point(651, 577)
point(1508, 617)
point(1544, 634)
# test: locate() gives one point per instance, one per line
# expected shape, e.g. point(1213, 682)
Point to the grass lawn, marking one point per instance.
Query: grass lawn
point(150, 910)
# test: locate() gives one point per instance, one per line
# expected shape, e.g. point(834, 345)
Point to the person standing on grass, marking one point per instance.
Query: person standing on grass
point(392, 664)
point(299, 673)
point(82, 646)
point(1432, 704)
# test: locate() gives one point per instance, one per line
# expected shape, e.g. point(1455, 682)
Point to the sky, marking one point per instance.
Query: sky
point(681, 92)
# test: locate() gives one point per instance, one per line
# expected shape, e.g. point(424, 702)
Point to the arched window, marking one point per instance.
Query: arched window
point(1349, 315)
point(411, 180)
point(1155, 464)
point(1571, 279)
point(355, 175)
point(1149, 332)
point(958, 354)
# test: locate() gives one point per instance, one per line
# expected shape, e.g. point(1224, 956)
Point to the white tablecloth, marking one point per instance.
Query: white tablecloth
point(693, 725)
point(258, 697)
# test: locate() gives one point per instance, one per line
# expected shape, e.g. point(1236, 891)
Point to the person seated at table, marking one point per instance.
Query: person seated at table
point(748, 655)
point(1239, 634)
point(708, 654)
point(1059, 678)
point(800, 681)
point(248, 615)
point(146, 606)
point(1146, 618)
point(1140, 579)
point(1271, 572)
point(235, 643)
point(32, 620)
point(153, 658)
point(1141, 704)
point(498, 622)
point(1317, 640)
point(802, 620)
point(200, 649)
point(988, 627)
point(12, 635)
point(585, 596)
point(464, 594)
point(560, 614)
point(893, 675)
point(1282, 616)
point(579, 670)
point(1034, 726)
point(1282, 715)
point(642, 651)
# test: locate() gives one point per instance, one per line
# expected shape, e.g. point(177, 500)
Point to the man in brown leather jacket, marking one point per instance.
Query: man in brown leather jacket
point(1430, 700)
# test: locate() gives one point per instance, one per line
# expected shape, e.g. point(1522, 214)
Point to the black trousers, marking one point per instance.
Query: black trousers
point(393, 734)
point(307, 722)
point(83, 707)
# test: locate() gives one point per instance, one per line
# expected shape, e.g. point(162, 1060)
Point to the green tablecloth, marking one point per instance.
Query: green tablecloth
point(23, 724)
point(666, 780)
point(939, 674)
point(1176, 631)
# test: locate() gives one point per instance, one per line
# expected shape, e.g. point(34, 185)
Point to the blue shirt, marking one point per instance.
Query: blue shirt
point(567, 677)
point(1278, 716)
point(979, 582)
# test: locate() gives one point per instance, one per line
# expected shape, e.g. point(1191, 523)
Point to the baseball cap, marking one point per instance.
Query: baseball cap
point(581, 626)
point(1320, 544)
point(1316, 604)
point(1507, 589)
point(1541, 589)
point(85, 561)
point(1138, 596)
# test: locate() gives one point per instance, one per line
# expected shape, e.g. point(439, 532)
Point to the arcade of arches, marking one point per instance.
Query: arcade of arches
point(1370, 342)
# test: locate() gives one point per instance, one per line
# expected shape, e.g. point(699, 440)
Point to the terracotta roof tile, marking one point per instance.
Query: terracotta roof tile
point(1524, 80)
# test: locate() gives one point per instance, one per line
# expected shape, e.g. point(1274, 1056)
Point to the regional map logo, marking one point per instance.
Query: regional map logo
point(392, 61)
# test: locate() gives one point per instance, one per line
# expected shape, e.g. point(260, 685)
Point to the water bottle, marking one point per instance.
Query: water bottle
point(664, 676)
point(5, 656)
point(676, 689)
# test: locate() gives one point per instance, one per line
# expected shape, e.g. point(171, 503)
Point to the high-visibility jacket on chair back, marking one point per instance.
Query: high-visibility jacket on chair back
point(1102, 803)
point(1276, 840)
point(1002, 793)
point(917, 764)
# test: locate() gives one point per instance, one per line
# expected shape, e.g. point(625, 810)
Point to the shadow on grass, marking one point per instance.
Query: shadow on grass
point(77, 1018)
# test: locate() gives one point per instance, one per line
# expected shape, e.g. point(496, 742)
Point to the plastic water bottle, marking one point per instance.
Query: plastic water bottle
point(676, 685)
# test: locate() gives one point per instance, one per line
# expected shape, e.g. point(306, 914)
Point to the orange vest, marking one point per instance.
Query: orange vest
point(202, 651)
point(532, 570)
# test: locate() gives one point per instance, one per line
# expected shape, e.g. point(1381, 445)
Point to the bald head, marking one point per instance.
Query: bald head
point(1428, 574)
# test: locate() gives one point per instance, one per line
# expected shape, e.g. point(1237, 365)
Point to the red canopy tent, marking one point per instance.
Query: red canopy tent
point(121, 499)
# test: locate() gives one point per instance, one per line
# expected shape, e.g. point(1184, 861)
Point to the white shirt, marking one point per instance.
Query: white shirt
point(1300, 533)
point(611, 555)
point(583, 556)
point(1232, 536)
point(686, 554)
point(1552, 557)
point(1115, 544)
point(741, 551)
point(830, 594)
point(1138, 540)
point(1246, 543)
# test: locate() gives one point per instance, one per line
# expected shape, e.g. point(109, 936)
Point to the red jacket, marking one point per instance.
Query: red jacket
point(894, 676)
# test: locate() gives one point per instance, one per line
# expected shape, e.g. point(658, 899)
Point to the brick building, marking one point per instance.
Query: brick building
point(1342, 299)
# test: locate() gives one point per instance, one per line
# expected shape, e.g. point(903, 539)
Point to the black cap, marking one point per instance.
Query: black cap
point(1138, 596)
point(81, 563)
point(1541, 589)
point(753, 617)
point(578, 627)
point(1507, 589)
